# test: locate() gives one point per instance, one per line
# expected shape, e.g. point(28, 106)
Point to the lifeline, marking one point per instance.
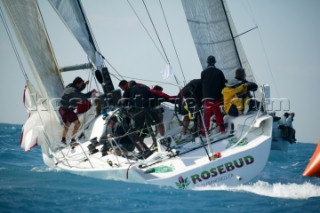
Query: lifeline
point(221, 169)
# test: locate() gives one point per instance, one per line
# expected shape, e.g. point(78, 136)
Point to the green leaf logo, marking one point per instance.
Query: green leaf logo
point(183, 183)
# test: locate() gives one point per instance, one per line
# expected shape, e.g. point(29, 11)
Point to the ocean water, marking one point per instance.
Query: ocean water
point(28, 185)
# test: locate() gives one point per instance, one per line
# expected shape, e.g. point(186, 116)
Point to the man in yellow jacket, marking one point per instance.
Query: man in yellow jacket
point(234, 97)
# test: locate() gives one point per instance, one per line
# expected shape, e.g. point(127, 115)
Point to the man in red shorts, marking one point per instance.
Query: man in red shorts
point(71, 96)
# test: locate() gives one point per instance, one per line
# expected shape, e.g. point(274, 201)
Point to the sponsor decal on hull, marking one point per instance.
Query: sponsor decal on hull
point(215, 174)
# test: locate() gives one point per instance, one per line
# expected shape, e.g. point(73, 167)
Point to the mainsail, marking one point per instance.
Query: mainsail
point(27, 22)
point(243, 58)
point(212, 31)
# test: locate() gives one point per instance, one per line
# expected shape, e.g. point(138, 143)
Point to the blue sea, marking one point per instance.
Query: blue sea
point(28, 185)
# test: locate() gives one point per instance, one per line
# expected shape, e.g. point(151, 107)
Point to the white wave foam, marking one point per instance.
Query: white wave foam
point(278, 190)
point(45, 169)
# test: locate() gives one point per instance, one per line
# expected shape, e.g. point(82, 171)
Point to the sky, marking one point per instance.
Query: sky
point(283, 51)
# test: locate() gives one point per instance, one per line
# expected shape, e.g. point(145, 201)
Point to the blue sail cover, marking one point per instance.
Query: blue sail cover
point(211, 32)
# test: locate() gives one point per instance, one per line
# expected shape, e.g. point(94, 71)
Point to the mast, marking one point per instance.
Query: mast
point(232, 35)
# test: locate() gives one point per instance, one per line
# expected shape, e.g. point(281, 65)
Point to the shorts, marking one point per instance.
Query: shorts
point(68, 115)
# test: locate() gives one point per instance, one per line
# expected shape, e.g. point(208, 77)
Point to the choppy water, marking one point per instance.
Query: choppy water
point(27, 185)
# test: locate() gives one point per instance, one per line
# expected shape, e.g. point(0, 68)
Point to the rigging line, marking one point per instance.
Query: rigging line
point(90, 81)
point(264, 52)
point(95, 80)
point(268, 63)
point(245, 32)
point(13, 44)
point(114, 69)
point(247, 8)
point(155, 29)
point(161, 82)
point(92, 76)
point(144, 27)
point(174, 46)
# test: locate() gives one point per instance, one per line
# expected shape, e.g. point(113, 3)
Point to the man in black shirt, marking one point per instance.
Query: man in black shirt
point(213, 81)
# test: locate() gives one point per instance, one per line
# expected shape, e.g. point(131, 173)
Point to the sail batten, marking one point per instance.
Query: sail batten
point(216, 42)
point(205, 22)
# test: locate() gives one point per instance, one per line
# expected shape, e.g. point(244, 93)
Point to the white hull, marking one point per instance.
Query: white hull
point(199, 174)
point(189, 168)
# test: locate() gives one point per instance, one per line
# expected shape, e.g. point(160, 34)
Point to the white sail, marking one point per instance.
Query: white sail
point(30, 31)
point(211, 34)
point(243, 58)
point(72, 15)
point(40, 124)
point(214, 33)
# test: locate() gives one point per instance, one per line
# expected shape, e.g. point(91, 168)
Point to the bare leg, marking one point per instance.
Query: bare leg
point(185, 123)
point(160, 129)
point(65, 129)
point(160, 126)
point(98, 106)
point(76, 127)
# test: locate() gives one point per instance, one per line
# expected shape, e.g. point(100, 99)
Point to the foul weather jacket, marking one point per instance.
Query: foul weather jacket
point(230, 97)
point(72, 95)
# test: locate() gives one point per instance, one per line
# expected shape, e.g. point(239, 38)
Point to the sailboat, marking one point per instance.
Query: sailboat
point(227, 46)
point(232, 158)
